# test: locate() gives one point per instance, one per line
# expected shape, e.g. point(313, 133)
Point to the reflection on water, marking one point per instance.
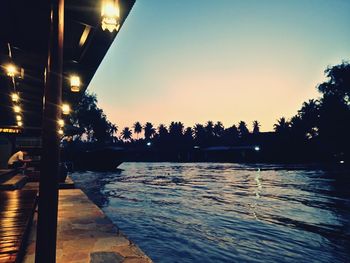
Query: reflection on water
point(205, 212)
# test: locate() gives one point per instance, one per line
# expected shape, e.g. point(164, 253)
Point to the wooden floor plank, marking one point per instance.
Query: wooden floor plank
point(16, 210)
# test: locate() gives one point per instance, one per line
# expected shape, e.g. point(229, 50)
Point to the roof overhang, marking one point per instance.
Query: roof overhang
point(24, 29)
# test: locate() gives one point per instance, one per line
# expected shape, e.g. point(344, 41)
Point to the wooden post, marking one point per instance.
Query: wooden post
point(48, 189)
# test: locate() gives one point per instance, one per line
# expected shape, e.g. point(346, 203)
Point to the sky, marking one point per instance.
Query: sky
point(223, 60)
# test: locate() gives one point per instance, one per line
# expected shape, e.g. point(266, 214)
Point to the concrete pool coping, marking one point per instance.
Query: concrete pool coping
point(86, 234)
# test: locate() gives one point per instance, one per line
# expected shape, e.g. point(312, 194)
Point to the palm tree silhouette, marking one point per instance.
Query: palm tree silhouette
point(176, 129)
point(199, 133)
point(256, 127)
point(137, 128)
point(149, 130)
point(126, 134)
point(113, 131)
point(189, 133)
point(162, 131)
point(243, 129)
point(209, 128)
point(218, 129)
point(282, 126)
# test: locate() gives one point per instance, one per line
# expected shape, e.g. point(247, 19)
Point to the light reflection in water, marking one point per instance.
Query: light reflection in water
point(227, 212)
point(257, 192)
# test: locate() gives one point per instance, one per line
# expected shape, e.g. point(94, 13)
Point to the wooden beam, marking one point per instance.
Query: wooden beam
point(48, 189)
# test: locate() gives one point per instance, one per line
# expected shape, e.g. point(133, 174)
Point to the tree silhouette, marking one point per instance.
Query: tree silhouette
point(149, 130)
point(256, 127)
point(199, 134)
point(319, 129)
point(91, 121)
point(176, 129)
point(243, 129)
point(218, 129)
point(126, 134)
point(338, 83)
point(162, 131)
point(189, 133)
point(282, 126)
point(137, 128)
point(209, 129)
point(162, 136)
point(334, 125)
point(113, 132)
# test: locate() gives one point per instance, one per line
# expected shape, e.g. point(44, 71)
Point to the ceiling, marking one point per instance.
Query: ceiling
point(24, 28)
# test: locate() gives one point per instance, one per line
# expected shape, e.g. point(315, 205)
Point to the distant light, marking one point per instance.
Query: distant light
point(65, 109)
point(75, 83)
point(61, 122)
point(60, 132)
point(257, 148)
point(196, 147)
point(341, 162)
point(15, 97)
point(17, 109)
point(11, 70)
point(19, 123)
point(18, 117)
point(110, 15)
point(149, 144)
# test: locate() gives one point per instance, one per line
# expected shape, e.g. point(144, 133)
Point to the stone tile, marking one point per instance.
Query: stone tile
point(107, 243)
point(105, 257)
point(136, 260)
point(129, 250)
point(86, 235)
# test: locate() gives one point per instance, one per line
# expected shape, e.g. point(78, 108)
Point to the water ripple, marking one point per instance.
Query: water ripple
point(205, 212)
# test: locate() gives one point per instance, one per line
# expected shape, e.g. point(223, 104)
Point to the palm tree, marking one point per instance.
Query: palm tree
point(282, 126)
point(256, 127)
point(162, 130)
point(137, 128)
point(176, 129)
point(113, 132)
point(242, 128)
point(149, 130)
point(218, 129)
point(209, 128)
point(126, 134)
point(189, 133)
point(199, 133)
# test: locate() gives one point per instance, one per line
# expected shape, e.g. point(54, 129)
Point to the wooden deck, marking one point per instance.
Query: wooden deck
point(68, 184)
point(16, 212)
point(15, 182)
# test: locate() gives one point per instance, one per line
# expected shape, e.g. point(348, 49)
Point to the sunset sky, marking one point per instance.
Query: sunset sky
point(227, 60)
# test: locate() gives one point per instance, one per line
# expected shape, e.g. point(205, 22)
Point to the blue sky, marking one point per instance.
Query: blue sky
point(227, 60)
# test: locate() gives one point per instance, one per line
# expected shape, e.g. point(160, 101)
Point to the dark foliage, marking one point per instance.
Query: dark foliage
point(318, 132)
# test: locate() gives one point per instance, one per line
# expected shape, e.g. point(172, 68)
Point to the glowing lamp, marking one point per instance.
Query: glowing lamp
point(61, 123)
point(15, 97)
point(149, 144)
point(18, 117)
point(19, 123)
point(60, 132)
point(17, 109)
point(11, 70)
point(75, 83)
point(110, 15)
point(257, 148)
point(65, 109)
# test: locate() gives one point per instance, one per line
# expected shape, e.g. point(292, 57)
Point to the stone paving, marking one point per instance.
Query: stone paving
point(85, 234)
